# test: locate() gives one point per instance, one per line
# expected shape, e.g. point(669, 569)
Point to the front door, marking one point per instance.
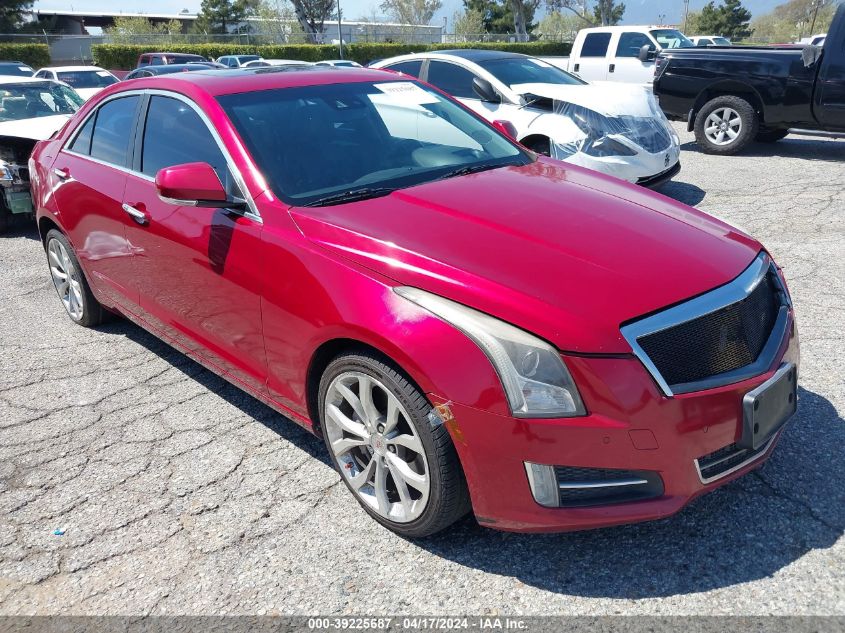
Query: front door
point(197, 269)
point(626, 66)
point(829, 103)
point(89, 177)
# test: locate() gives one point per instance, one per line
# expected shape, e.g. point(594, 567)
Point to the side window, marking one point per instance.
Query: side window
point(631, 43)
point(412, 67)
point(144, 61)
point(157, 61)
point(595, 45)
point(82, 143)
point(113, 129)
point(704, 42)
point(451, 79)
point(175, 134)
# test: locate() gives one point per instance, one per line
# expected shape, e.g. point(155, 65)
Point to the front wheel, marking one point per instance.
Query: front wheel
point(72, 287)
point(400, 467)
point(726, 125)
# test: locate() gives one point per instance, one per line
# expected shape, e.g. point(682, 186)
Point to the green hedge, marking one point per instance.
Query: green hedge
point(125, 56)
point(36, 55)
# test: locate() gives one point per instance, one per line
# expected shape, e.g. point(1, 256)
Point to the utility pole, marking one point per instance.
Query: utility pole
point(339, 32)
point(817, 5)
point(686, 15)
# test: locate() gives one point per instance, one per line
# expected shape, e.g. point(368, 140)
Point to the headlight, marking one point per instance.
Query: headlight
point(535, 380)
point(606, 146)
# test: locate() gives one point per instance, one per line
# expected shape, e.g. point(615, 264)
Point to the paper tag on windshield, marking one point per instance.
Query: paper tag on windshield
point(25, 69)
point(103, 73)
point(407, 92)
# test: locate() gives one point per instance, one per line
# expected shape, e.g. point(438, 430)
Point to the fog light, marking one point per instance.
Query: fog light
point(543, 483)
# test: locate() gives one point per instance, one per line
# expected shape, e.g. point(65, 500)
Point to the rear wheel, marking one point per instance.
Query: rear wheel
point(770, 136)
point(70, 282)
point(403, 470)
point(726, 125)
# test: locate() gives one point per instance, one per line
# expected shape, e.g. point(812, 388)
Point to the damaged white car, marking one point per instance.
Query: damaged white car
point(30, 110)
point(617, 129)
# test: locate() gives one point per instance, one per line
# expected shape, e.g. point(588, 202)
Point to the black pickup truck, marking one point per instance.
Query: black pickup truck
point(732, 96)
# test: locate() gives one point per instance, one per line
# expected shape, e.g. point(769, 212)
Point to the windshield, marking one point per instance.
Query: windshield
point(32, 100)
point(316, 142)
point(671, 38)
point(16, 70)
point(86, 78)
point(513, 71)
point(721, 41)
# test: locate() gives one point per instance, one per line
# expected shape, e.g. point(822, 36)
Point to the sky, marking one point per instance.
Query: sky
point(637, 11)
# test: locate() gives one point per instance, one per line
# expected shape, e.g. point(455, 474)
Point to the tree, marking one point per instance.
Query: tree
point(468, 25)
point(608, 13)
point(127, 29)
point(311, 14)
point(729, 20)
point(497, 15)
point(11, 14)
point(579, 8)
point(217, 16)
point(791, 21)
point(557, 26)
point(411, 11)
point(276, 22)
point(523, 13)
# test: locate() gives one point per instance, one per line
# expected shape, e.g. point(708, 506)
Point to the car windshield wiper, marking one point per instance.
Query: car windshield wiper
point(352, 195)
point(474, 169)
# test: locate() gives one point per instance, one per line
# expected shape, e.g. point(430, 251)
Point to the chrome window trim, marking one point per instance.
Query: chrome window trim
point(252, 214)
point(702, 305)
point(754, 457)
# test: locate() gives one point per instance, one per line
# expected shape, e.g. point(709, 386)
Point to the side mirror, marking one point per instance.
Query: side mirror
point(506, 127)
point(192, 184)
point(647, 53)
point(485, 90)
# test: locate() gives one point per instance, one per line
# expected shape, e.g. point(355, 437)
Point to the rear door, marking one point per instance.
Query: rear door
point(593, 60)
point(89, 177)
point(197, 269)
point(625, 65)
point(829, 100)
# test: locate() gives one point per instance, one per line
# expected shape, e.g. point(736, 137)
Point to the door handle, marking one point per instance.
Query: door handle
point(136, 214)
point(62, 173)
point(612, 68)
point(576, 68)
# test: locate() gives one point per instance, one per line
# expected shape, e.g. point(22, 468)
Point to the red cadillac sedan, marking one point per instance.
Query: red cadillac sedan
point(468, 325)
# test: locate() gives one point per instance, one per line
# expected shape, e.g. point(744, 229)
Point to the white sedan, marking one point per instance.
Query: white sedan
point(259, 63)
point(86, 80)
point(30, 110)
point(617, 129)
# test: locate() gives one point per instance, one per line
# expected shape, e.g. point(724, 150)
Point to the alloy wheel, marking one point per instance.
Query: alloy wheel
point(376, 446)
point(723, 126)
point(66, 279)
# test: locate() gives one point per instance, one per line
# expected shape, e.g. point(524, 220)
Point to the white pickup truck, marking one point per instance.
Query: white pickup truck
point(619, 53)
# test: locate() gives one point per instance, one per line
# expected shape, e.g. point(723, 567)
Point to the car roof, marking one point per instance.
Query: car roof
point(475, 54)
point(7, 62)
point(10, 79)
point(236, 80)
point(70, 68)
point(171, 54)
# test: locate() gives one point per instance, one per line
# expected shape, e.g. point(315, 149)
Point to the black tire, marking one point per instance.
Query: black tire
point(448, 498)
point(5, 217)
point(92, 312)
point(770, 136)
point(749, 125)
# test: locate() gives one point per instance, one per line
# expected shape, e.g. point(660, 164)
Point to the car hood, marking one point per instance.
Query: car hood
point(608, 99)
point(36, 129)
point(562, 252)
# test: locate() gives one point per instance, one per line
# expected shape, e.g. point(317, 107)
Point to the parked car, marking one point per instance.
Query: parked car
point(466, 324)
point(259, 63)
point(237, 61)
point(342, 63)
point(15, 69)
point(166, 59)
point(710, 40)
point(814, 40)
point(153, 71)
point(619, 53)
point(732, 97)
point(618, 130)
point(86, 80)
point(30, 110)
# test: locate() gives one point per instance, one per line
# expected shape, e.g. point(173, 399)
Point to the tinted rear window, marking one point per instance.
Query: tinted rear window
point(595, 45)
point(412, 67)
point(113, 129)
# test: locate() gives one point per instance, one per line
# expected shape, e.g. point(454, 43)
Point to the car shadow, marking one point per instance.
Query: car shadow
point(808, 148)
point(747, 530)
point(683, 192)
point(21, 227)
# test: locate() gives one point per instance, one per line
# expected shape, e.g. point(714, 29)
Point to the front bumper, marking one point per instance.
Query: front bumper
point(644, 169)
point(631, 425)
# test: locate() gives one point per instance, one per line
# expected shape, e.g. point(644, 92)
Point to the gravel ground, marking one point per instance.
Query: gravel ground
point(177, 493)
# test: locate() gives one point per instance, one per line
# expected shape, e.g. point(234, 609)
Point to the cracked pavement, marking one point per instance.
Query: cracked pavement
point(179, 494)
